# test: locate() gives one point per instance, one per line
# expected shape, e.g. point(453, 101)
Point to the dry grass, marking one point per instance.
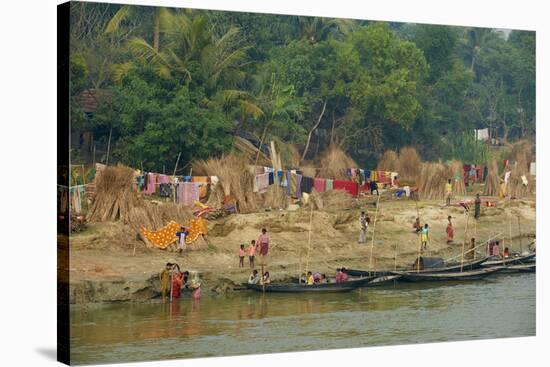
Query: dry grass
point(409, 164)
point(276, 197)
point(431, 181)
point(235, 178)
point(117, 200)
point(334, 163)
point(332, 199)
point(456, 170)
point(389, 162)
point(522, 154)
point(492, 181)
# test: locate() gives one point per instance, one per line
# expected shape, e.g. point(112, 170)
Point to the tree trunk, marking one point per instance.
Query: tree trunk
point(156, 31)
point(313, 129)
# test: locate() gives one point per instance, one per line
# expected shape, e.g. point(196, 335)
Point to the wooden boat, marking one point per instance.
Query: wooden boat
point(510, 260)
point(365, 273)
point(467, 265)
point(518, 268)
point(450, 276)
point(346, 286)
point(383, 280)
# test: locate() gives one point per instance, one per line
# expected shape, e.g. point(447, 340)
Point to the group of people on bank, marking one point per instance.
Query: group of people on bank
point(261, 246)
point(309, 278)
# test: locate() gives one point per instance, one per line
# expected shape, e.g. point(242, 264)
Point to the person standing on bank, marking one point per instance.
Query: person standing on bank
point(448, 191)
point(450, 231)
point(424, 237)
point(263, 244)
point(477, 212)
point(364, 222)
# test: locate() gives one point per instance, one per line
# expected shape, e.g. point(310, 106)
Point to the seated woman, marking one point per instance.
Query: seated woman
point(506, 252)
point(254, 278)
point(309, 279)
point(265, 278)
point(317, 278)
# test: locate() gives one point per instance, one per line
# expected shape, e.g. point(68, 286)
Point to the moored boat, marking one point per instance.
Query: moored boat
point(449, 276)
point(383, 280)
point(517, 268)
point(510, 261)
point(346, 286)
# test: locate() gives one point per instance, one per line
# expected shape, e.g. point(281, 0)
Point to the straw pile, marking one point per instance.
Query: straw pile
point(456, 172)
point(492, 180)
point(522, 155)
point(116, 196)
point(276, 197)
point(409, 164)
point(308, 170)
point(431, 181)
point(332, 199)
point(334, 163)
point(389, 162)
point(117, 200)
point(235, 179)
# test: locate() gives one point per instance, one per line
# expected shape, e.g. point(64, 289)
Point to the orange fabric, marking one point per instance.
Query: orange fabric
point(164, 237)
point(196, 228)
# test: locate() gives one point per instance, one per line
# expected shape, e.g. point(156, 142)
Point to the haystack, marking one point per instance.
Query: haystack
point(492, 181)
point(116, 196)
point(456, 172)
point(117, 200)
point(431, 181)
point(332, 199)
point(275, 197)
point(334, 162)
point(235, 179)
point(409, 165)
point(522, 155)
point(389, 162)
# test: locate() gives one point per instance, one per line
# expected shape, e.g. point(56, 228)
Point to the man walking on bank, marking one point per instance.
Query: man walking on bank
point(364, 222)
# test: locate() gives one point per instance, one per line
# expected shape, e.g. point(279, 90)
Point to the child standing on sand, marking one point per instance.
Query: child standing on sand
point(241, 257)
point(251, 253)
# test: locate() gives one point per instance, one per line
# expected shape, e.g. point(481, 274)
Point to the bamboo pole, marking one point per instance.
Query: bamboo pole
point(373, 232)
point(520, 241)
point(395, 258)
point(464, 241)
point(309, 237)
point(174, 175)
point(109, 146)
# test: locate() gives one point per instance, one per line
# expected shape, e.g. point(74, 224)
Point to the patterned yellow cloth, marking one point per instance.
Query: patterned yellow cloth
point(196, 228)
point(164, 237)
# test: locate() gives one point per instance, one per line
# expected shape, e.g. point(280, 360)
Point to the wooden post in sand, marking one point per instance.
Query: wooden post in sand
point(373, 232)
point(309, 237)
point(395, 258)
point(520, 241)
point(464, 241)
point(174, 175)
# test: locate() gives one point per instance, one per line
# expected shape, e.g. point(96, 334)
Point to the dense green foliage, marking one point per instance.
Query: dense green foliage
point(185, 80)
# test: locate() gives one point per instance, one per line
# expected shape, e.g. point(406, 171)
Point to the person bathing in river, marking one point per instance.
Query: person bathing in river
point(164, 277)
point(254, 278)
point(241, 256)
point(263, 244)
point(251, 252)
point(424, 233)
point(177, 281)
point(450, 231)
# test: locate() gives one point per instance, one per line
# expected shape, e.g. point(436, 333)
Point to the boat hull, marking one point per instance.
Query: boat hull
point(452, 276)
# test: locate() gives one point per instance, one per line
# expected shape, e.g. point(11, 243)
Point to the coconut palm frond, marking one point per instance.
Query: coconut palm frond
point(124, 12)
point(251, 109)
point(119, 71)
point(144, 51)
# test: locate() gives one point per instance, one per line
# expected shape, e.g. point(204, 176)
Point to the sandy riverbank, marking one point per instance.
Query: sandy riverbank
point(103, 267)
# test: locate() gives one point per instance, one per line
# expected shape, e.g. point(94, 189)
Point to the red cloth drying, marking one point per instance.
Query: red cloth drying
point(319, 184)
point(350, 186)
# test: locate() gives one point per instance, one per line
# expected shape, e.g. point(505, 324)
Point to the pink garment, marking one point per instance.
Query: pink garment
point(188, 193)
point(319, 184)
point(151, 180)
point(495, 250)
point(197, 293)
point(163, 179)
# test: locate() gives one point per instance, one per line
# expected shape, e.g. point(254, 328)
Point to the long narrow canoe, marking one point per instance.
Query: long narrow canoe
point(383, 280)
point(468, 265)
point(519, 268)
point(314, 288)
point(510, 261)
point(465, 275)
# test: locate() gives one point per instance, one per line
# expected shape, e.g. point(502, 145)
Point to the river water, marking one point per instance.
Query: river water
point(249, 323)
